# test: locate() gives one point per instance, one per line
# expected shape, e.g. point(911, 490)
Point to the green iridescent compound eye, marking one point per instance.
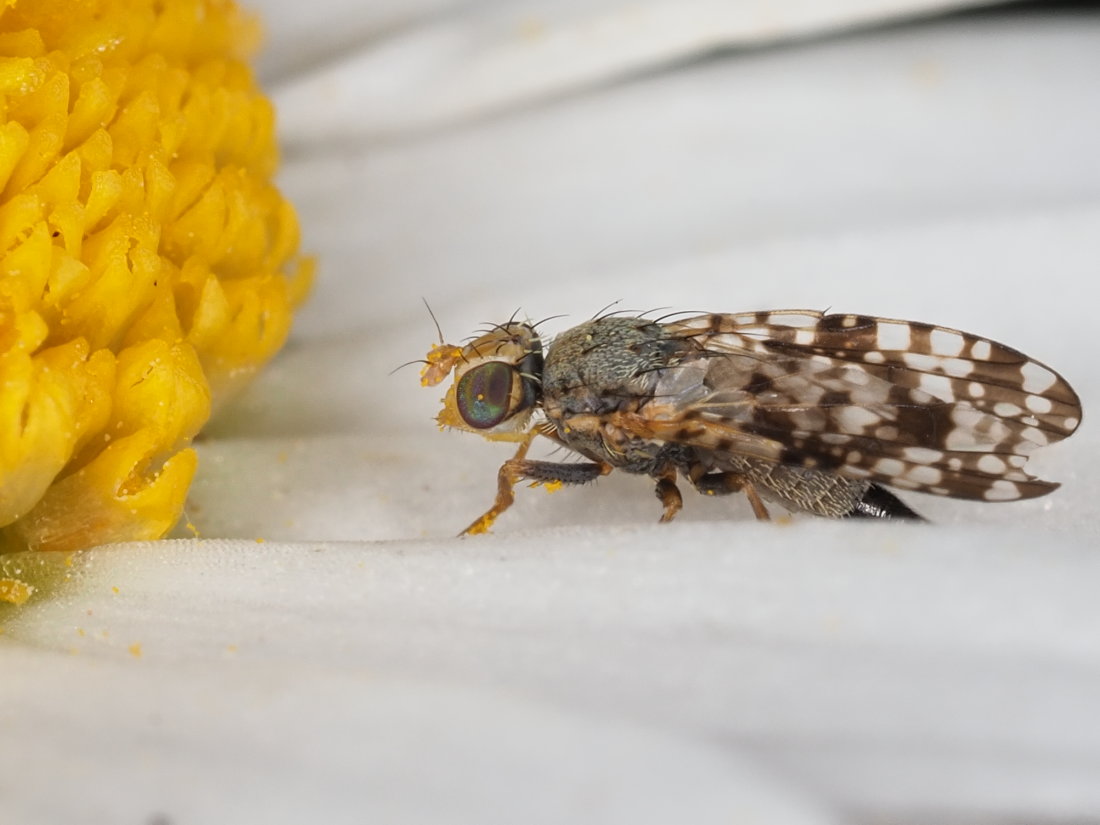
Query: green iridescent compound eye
point(483, 394)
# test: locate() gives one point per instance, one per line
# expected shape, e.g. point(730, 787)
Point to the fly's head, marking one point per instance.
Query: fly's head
point(497, 381)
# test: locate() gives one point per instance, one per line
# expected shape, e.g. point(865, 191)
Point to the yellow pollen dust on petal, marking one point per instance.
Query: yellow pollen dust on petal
point(14, 591)
point(148, 265)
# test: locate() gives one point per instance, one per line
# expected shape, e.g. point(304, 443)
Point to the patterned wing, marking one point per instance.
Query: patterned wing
point(907, 404)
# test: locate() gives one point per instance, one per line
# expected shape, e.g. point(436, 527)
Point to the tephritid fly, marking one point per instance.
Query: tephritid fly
point(813, 412)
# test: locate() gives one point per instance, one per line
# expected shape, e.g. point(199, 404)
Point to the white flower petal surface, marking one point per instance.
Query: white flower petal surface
point(584, 664)
point(443, 69)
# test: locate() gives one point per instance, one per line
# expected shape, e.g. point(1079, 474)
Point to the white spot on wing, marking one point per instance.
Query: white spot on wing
point(938, 386)
point(856, 419)
point(920, 361)
point(893, 336)
point(947, 342)
point(1002, 490)
point(1035, 436)
point(922, 455)
point(889, 466)
point(964, 436)
point(991, 464)
point(957, 367)
point(981, 350)
point(1038, 404)
point(856, 376)
point(1037, 379)
point(925, 475)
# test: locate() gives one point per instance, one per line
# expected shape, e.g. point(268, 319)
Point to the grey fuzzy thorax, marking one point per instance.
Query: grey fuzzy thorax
point(606, 365)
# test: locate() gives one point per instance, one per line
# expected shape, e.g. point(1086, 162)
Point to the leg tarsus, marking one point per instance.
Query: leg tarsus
point(517, 468)
point(506, 481)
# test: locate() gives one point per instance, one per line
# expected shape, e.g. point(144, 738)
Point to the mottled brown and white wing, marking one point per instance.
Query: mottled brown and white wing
point(907, 404)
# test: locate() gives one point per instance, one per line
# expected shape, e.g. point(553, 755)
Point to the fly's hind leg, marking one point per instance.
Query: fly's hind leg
point(669, 494)
point(518, 468)
point(722, 484)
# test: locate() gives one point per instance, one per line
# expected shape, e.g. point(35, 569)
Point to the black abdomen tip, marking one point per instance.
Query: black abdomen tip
point(878, 502)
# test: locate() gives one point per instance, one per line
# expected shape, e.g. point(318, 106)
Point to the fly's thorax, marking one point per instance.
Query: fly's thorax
point(602, 365)
point(497, 383)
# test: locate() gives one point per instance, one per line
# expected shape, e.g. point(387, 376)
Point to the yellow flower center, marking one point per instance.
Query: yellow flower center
point(148, 266)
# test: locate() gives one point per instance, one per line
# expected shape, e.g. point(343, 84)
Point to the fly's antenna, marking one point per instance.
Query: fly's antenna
point(441, 358)
point(409, 364)
point(434, 319)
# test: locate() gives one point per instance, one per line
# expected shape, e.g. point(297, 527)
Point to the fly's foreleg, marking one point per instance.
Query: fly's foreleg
point(518, 468)
point(722, 484)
